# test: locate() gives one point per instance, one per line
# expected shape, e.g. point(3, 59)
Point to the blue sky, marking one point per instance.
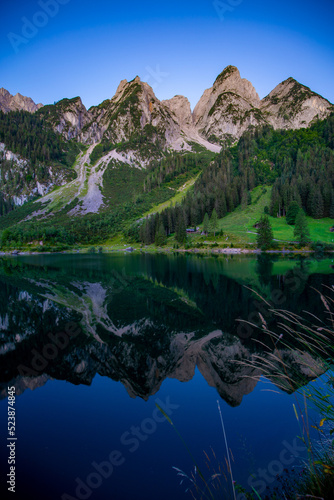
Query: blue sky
point(81, 47)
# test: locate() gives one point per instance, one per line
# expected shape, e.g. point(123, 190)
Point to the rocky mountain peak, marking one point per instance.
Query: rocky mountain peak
point(124, 84)
point(8, 102)
point(180, 107)
point(67, 116)
point(226, 73)
point(230, 81)
point(121, 87)
point(126, 88)
point(4, 92)
point(224, 112)
point(293, 105)
point(228, 108)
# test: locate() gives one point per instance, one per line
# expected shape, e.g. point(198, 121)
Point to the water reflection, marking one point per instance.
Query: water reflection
point(140, 319)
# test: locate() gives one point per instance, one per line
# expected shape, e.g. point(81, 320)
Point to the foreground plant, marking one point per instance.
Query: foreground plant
point(311, 340)
point(220, 484)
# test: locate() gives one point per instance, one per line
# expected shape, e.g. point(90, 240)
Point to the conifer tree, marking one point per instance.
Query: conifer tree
point(292, 213)
point(301, 231)
point(181, 230)
point(206, 223)
point(214, 222)
point(160, 236)
point(317, 204)
point(265, 233)
point(331, 209)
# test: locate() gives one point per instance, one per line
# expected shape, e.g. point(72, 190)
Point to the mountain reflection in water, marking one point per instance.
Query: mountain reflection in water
point(144, 318)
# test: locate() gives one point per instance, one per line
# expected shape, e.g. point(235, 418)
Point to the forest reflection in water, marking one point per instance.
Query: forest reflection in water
point(140, 319)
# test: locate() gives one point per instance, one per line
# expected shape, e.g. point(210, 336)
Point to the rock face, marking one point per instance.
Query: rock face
point(68, 117)
point(228, 108)
point(292, 105)
point(134, 107)
point(134, 116)
point(8, 102)
point(180, 107)
point(25, 190)
point(232, 105)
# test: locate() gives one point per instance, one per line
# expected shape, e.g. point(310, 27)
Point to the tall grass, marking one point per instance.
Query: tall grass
point(310, 340)
point(219, 484)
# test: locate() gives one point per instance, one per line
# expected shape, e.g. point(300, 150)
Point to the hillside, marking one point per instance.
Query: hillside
point(294, 165)
point(136, 165)
point(297, 166)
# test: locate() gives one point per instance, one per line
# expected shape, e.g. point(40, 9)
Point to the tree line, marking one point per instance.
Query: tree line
point(31, 136)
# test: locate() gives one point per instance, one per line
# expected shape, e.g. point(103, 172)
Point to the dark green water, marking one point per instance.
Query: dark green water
point(92, 342)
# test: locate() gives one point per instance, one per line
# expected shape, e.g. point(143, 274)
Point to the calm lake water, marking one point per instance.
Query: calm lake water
point(92, 343)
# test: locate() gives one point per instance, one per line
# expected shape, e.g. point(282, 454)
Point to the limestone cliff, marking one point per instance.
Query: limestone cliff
point(228, 108)
point(8, 102)
point(135, 117)
point(292, 106)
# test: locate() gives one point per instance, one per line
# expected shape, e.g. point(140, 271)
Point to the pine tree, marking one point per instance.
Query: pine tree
point(244, 200)
point(181, 230)
point(292, 213)
point(331, 209)
point(206, 224)
point(160, 236)
point(265, 234)
point(317, 204)
point(301, 231)
point(214, 222)
point(148, 232)
point(220, 205)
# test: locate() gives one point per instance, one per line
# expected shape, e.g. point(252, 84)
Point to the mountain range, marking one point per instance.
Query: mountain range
point(8, 102)
point(79, 161)
point(225, 111)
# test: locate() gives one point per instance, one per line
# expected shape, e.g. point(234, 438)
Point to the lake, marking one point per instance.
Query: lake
point(95, 345)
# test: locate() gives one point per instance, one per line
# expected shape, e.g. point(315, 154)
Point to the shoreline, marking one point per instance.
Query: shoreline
point(160, 250)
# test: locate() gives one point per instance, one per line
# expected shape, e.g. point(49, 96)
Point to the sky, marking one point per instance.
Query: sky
point(51, 49)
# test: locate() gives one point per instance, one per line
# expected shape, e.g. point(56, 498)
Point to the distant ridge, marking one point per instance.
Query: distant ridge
point(8, 102)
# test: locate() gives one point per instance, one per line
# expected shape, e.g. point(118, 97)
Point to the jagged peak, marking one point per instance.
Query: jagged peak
point(136, 80)
point(124, 85)
point(121, 86)
point(226, 73)
point(179, 105)
point(230, 81)
point(177, 97)
point(290, 85)
point(4, 92)
point(16, 102)
point(68, 101)
point(290, 80)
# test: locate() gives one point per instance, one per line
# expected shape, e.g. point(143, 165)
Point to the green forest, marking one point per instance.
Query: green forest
point(31, 136)
point(298, 164)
